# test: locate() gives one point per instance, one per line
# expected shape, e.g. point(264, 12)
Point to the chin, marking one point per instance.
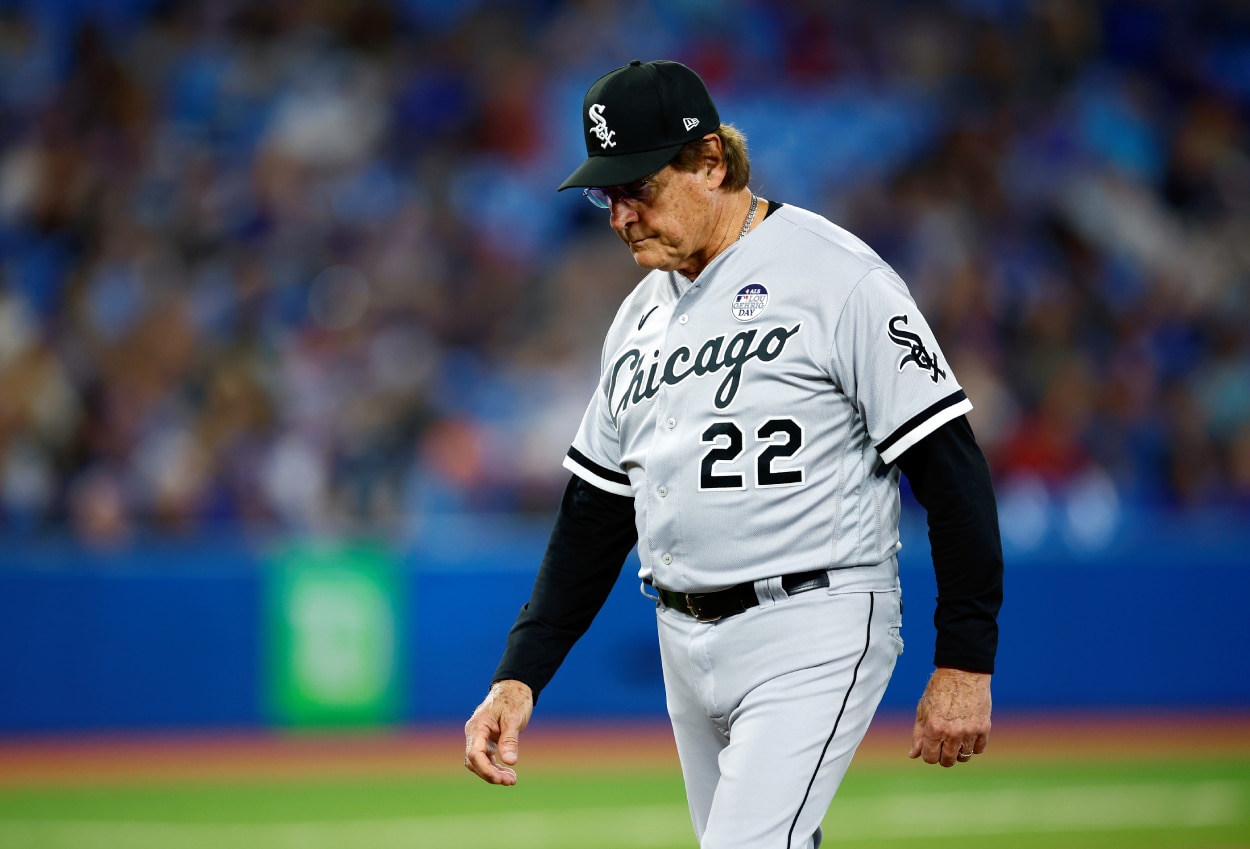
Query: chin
point(652, 260)
point(646, 259)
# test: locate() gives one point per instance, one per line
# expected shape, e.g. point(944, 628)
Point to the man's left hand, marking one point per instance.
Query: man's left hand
point(953, 717)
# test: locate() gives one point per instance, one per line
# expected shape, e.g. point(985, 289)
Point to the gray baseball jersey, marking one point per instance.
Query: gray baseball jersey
point(754, 414)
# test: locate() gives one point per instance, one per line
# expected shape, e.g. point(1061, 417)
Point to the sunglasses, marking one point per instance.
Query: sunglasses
point(640, 191)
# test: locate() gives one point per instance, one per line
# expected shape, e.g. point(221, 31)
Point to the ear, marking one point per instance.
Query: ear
point(713, 160)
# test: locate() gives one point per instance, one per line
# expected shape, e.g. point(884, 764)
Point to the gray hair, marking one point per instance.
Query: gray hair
point(737, 162)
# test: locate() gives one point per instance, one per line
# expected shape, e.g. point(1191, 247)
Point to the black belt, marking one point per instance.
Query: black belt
point(709, 607)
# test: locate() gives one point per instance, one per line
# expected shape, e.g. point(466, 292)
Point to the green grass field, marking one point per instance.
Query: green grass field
point(1138, 804)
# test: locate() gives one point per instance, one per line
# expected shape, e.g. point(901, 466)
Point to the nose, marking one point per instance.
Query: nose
point(622, 213)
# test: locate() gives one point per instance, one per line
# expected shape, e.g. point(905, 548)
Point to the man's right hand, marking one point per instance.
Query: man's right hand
point(491, 736)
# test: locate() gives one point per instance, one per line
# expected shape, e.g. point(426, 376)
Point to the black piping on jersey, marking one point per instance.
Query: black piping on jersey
point(643, 320)
point(613, 475)
point(872, 603)
point(920, 418)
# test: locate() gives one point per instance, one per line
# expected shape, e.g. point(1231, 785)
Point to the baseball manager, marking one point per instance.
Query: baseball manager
point(762, 390)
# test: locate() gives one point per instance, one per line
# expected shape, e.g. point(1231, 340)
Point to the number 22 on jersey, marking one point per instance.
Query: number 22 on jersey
point(723, 466)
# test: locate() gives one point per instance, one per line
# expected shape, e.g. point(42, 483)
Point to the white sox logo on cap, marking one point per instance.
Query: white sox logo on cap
point(600, 129)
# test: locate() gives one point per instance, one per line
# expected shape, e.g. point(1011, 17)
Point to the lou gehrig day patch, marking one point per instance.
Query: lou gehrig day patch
point(749, 302)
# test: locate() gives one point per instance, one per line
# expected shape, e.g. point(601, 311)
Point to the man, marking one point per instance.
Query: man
point(761, 390)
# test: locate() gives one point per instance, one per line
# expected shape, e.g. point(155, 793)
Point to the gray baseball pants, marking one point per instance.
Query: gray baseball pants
point(769, 705)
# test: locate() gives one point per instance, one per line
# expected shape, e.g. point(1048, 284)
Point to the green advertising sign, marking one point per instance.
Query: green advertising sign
point(334, 619)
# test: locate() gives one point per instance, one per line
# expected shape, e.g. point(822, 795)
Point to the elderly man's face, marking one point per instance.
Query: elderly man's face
point(672, 229)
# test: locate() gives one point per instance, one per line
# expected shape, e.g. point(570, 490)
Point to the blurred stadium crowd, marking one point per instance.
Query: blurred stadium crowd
point(302, 264)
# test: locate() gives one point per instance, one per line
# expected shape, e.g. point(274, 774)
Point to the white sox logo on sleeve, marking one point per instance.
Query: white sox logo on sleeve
point(642, 382)
point(917, 353)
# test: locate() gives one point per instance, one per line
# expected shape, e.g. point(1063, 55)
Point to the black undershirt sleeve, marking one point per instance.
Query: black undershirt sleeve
point(593, 533)
point(951, 479)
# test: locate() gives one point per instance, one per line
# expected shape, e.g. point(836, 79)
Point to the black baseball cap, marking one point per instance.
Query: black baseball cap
point(637, 117)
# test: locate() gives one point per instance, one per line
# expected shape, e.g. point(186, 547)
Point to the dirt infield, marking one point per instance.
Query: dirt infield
point(551, 745)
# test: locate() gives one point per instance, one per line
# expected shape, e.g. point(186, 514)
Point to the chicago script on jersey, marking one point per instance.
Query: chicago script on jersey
point(643, 381)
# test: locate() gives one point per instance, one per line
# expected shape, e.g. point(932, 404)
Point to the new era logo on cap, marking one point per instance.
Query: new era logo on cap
point(636, 118)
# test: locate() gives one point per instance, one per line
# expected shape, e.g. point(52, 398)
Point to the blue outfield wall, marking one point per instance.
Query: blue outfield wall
point(167, 636)
point(174, 636)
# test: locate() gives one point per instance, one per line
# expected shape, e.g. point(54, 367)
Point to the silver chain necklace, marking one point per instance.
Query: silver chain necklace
point(746, 225)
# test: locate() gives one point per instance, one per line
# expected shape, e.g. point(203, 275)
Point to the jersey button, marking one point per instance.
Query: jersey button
point(672, 423)
point(684, 319)
point(668, 559)
point(663, 491)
